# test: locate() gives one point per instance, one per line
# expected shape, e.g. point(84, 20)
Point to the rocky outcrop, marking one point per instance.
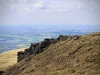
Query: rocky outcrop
point(37, 48)
point(1, 72)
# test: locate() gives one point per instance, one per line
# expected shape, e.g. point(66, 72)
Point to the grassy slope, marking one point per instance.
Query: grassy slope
point(69, 57)
point(8, 58)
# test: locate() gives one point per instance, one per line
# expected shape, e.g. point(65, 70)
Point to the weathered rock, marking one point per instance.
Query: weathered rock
point(62, 38)
point(36, 48)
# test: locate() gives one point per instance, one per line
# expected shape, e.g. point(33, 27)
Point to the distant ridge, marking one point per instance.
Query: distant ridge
point(65, 55)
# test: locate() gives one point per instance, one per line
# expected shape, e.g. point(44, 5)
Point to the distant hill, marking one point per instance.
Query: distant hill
point(65, 55)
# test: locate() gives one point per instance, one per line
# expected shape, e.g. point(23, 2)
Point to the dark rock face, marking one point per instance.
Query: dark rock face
point(39, 47)
point(1, 72)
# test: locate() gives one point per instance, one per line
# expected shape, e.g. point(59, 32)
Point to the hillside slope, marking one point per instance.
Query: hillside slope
point(72, 56)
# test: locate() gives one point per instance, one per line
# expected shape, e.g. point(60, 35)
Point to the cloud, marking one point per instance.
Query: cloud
point(22, 1)
point(79, 7)
point(57, 9)
point(11, 7)
point(62, 9)
point(17, 1)
point(39, 4)
point(26, 9)
point(52, 9)
point(72, 6)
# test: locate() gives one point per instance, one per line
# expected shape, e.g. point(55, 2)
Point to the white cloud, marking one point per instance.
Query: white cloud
point(62, 9)
point(57, 9)
point(72, 6)
point(26, 9)
point(11, 7)
point(48, 10)
point(22, 1)
point(39, 5)
point(79, 7)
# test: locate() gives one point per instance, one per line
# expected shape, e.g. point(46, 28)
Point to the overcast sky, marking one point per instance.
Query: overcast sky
point(50, 12)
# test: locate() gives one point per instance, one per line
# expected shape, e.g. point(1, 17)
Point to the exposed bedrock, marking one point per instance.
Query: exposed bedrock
point(36, 48)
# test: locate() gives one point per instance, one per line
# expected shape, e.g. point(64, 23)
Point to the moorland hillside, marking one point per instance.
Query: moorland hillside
point(65, 55)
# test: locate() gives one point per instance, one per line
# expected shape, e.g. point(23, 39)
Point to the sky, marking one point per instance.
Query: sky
point(50, 12)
